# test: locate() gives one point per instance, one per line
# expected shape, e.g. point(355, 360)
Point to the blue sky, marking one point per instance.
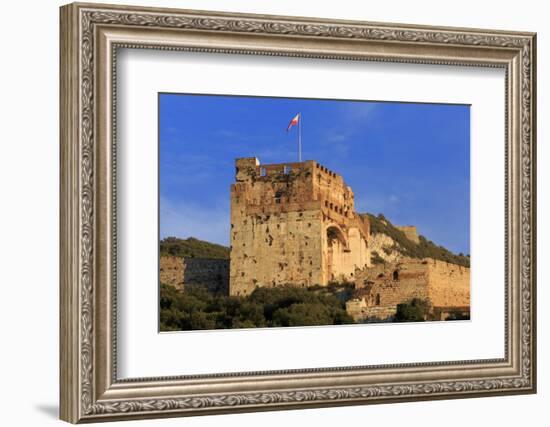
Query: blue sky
point(409, 161)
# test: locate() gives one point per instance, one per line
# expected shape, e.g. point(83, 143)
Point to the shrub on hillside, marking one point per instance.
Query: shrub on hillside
point(415, 310)
point(192, 248)
point(375, 258)
point(196, 309)
point(424, 249)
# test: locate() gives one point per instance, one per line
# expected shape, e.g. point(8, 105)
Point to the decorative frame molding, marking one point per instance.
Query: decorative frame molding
point(90, 36)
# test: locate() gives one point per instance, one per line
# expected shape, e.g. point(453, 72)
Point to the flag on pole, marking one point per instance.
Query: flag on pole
point(293, 122)
point(297, 120)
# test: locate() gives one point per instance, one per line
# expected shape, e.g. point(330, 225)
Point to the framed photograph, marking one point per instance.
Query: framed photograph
point(267, 212)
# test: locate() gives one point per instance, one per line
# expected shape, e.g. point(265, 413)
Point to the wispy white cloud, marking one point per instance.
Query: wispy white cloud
point(230, 134)
point(351, 122)
point(358, 111)
point(336, 141)
point(339, 137)
point(372, 205)
point(378, 203)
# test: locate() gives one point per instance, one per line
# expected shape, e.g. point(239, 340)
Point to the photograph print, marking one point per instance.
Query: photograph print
point(291, 212)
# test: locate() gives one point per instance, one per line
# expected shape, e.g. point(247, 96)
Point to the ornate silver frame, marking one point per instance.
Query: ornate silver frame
point(90, 36)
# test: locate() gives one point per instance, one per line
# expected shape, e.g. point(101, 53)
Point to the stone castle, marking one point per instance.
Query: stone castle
point(293, 223)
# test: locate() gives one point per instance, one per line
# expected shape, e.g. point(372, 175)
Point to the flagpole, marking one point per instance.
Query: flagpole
point(300, 138)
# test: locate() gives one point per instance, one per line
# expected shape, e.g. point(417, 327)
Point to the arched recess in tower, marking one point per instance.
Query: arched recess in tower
point(337, 244)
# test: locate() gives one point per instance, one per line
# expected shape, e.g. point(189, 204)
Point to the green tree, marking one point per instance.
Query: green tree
point(302, 314)
point(196, 309)
point(415, 310)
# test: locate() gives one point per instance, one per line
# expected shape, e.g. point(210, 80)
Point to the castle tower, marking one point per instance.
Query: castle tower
point(293, 223)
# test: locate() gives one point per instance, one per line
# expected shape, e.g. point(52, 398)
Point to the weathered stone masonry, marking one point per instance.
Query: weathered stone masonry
point(379, 289)
point(293, 223)
point(410, 232)
point(171, 271)
point(212, 274)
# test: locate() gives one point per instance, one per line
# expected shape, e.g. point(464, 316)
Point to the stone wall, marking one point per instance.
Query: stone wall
point(358, 309)
point(212, 274)
point(171, 271)
point(275, 249)
point(449, 284)
point(381, 288)
point(410, 232)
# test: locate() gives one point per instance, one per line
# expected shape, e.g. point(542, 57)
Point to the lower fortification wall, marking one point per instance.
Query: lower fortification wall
point(381, 288)
point(171, 271)
point(449, 284)
point(212, 274)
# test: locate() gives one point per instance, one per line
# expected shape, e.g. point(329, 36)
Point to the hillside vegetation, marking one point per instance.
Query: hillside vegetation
point(192, 248)
point(197, 309)
point(425, 249)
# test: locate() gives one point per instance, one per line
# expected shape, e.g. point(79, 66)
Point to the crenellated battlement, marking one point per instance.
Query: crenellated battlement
point(302, 213)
